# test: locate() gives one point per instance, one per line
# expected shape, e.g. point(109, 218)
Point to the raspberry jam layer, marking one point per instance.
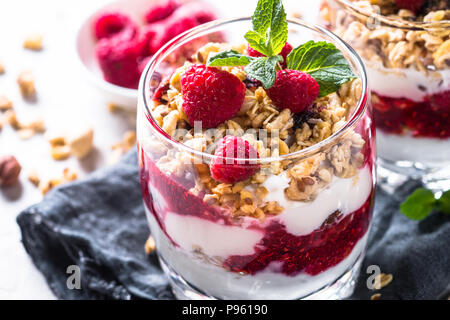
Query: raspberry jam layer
point(312, 253)
point(429, 118)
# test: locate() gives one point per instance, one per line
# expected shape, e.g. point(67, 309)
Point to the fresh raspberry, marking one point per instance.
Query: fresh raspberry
point(199, 11)
point(143, 63)
point(284, 52)
point(184, 18)
point(111, 23)
point(118, 58)
point(231, 171)
point(294, 90)
point(160, 10)
point(211, 95)
point(412, 5)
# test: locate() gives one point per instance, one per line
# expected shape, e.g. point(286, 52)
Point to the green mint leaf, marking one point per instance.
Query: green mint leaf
point(270, 28)
point(257, 42)
point(443, 203)
point(419, 204)
point(324, 62)
point(229, 58)
point(263, 69)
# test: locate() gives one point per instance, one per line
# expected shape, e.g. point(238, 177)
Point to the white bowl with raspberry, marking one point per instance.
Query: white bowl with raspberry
point(114, 43)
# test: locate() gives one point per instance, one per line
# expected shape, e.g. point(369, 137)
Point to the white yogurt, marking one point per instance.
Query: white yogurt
point(406, 83)
point(220, 283)
point(395, 147)
point(301, 218)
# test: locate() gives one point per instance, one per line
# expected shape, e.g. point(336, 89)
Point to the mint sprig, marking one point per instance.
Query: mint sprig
point(229, 58)
point(324, 62)
point(422, 202)
point(270, 29)
point(263, 69)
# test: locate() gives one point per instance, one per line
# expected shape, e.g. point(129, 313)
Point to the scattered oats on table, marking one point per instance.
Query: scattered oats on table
point(5, 103)
point(67, 175)
point(25, 80)
point(150, 245)
point(375, 296)
point(33, 42)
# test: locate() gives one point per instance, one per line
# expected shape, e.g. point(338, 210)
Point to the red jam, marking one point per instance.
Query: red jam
point(429, 118)
point(312, 253)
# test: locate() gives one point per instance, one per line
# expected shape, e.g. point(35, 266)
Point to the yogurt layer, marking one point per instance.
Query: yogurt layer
point(407, 83)
point(220, 283)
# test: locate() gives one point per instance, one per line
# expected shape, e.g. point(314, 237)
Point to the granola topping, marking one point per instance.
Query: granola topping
point(284, 133)
point(424, 50)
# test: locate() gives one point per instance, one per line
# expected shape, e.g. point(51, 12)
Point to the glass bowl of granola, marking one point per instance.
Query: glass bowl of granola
point(257, 165)
point(406, 48)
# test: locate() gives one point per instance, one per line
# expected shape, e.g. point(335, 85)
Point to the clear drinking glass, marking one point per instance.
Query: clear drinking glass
point(310, 249)
point(408, 65)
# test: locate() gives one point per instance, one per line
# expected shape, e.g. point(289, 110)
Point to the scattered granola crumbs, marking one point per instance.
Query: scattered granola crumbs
point(25, 79)
point(2, 68)
point(67, 175)
point(61, 152)
point(25, 134)
point(375, 296)
point(33, 177)
point(113, 107)
point(120, 148)
point(25, 130)
point(150, 245)
point(81, 144)
point(383, 280)
point(33, 42)
point(5, 103)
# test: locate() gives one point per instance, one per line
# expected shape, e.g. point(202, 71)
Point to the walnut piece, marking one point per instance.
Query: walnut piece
point(26, 84)
point(68, 175)
point(150, 245)
point(33, 42)
point(9, 171)
point(5, 103)
point(81, 144)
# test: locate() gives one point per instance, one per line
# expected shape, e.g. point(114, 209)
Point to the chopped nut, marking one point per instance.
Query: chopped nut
point(69, 175)
point(33, 177)
point(375, 296)
point(25, 134)
point(33, 42)
point(60, 152)
point(9, 171)
point(5, 103)
point(26, 84)
point(81, 144)
point(112, 107)
point(57, 140)
point(11, 118)
point(46, 185)
point(150, 245)
point(382, 280)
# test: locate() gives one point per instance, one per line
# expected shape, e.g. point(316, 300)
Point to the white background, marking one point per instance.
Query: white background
point(65, 98)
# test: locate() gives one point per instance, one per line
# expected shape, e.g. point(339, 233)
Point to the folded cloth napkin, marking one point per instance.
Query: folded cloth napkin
point(99, 225)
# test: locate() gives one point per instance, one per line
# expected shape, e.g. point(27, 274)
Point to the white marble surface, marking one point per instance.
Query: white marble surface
point(65, 98)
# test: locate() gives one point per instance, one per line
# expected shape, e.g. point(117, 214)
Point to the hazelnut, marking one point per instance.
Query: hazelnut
point(9, 171)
